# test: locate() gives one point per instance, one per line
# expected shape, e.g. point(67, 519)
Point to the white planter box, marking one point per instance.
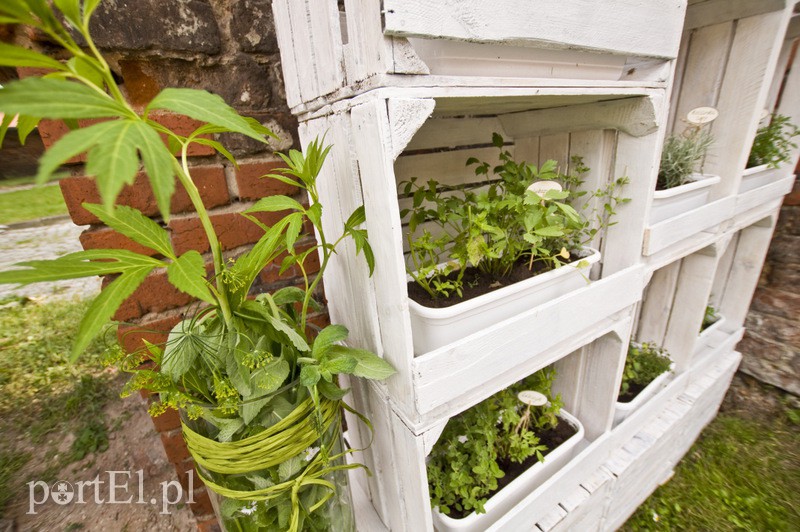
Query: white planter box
point(708, 331)
point(755, 177)
point(678, 200)
point(623, 410)
point(434, 327)
point(505, 499)
point(459, 58)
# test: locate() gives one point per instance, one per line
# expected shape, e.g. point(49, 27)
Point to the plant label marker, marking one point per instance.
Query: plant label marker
point(541, 187)
point(532, 398)
point(702, 115)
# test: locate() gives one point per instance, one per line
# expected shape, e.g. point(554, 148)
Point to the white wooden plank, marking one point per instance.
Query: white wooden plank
point(635, 116)
point(657, 303)
point(763, 195)
point(716, 11)
point(701, 82)
point(780, 71)
point(743, 278)
point(371, 52)
point(454, 132)
point(677, 79)
point(414, 498)
point(668, 232)
point(527, 149)
point(723, 270)
point(326, 40)
point(283, 31)
point(447, 168)
point(371, 133)
point(791, 95)
point(526, 342)
point(406, 116)
point(568, 384)
point(626, 26)
point(688, 308)
point(753, 55)
point(589, 515)
point(551, 519)
point(555, 147)
point(303, 50)
point(405, 59)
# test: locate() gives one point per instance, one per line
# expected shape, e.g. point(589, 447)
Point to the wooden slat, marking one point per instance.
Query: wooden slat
point(635, 116)
point(668, 232)
point(303, 50)
point(716, 11)
point(625, 27)
point(763, 195)
point(370, 52)
point(447, 168)
point(457, 373)
point(326, 40)
point(406, 116)
point(453, 132)
point(283, 31)
point(657, 303)
point(556, 148)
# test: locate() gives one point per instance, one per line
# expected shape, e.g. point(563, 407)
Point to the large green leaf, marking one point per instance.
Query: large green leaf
point(22, 57)
point(158, 162)
point(188, 274)
point(58, 98)
point(206, 107)
point(114, 162)
point(71, 10)
point(326, 338)
point(105, 305)
point(293, 336)
point(181, 350)
point(369, 366)
point(276, 203)
point(72, 144)
point(271, 376)
point(78, 264)
point(136, 226)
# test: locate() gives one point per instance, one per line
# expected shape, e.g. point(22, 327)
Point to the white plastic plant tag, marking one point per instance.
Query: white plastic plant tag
point(541, 187)
point(532, 398)
point(702, 115)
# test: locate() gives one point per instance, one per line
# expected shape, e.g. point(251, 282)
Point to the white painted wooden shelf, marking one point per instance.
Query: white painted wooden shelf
point(412, 88)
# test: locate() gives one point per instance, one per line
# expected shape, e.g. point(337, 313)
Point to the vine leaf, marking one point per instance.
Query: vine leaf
point(136, 226)
point(188, 274)
point(34, 97)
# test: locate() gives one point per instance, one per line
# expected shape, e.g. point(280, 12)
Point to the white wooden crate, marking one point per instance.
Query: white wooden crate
point(332, 50)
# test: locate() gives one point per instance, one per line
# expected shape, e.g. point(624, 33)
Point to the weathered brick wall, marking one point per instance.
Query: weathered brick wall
point(227, 47)
point(771, 345)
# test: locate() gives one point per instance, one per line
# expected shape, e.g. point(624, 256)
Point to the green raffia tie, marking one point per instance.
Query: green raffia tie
point(287, 438)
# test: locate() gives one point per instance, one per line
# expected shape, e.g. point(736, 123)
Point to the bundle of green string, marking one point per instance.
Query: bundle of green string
point(289, 437)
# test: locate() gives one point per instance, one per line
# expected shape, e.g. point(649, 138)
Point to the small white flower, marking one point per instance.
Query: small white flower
point(311, 452)
point(249, 509)
point(462, 439)
point(656, 517)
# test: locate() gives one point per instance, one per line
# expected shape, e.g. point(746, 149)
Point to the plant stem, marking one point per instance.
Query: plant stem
point(184, 176)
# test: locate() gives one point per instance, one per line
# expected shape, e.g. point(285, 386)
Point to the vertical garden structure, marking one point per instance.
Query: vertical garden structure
point(413, 88)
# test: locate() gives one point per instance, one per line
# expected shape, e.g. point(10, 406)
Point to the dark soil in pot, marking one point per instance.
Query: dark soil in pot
point(633, 390)
point(477, 283)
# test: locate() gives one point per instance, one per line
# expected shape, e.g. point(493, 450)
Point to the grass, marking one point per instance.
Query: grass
point(31, 204)
point(743, 473)
point(43, 396)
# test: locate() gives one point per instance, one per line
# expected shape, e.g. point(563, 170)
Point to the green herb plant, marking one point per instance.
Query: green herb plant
point(466, 462)
point(494, 228)
point(239, 368)
point(682, 155)
point(645, 362)
point(773, 143)
point(710, 317)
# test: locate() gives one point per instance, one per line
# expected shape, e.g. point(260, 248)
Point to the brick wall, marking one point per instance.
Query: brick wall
point(227, 47)
point(771, 345)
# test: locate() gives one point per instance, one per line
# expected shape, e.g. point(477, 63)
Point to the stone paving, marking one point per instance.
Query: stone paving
point(38, 243)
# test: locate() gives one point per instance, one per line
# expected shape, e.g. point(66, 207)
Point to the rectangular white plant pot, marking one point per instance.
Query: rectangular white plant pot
point(623, 410)
point(708, 331)
point(434, 327)
point(678, 200)
point(459, 58)
point(505, 499)
point(755, 177)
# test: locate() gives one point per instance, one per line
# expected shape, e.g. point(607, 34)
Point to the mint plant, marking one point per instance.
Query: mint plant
point(466, 462)
point(645, 362)
point(710, 317)
point(256, 383)
point(683, 155)
point(773, 143)
point(512, 220)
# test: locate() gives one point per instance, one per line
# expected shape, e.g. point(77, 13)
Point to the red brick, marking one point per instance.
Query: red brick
point(232, 229)
point(793, 198)
point(155, 332)
point(202, 503)
point(139, 85)
point(183, 470)
point(210, 181)
point(169, 420)
point(211, 525)
point(104, 238)
point(184, 126)
point(155, 294)
point(253, 186)
point(175, 446)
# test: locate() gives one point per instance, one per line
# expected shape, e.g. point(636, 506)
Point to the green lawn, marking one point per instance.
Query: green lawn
point(31, 204)
point(43, 396)
point(742, 474)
